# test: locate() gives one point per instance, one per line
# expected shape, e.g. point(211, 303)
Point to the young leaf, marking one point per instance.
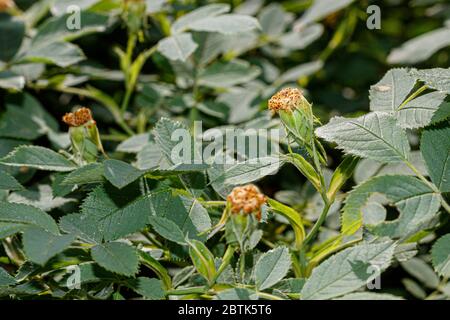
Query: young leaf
point(39, 158)
point(8, 182)
point(202, 259)
point(305, 168)
point(147, 287)
point(271, 267)
point(120, 173)
point(294, 219)
point(116, 257)
point(40, 245)
point(375, 136)
point(440, 254)
point(348, 270)
point(16, 218)
point(342, 173)
point(435, 148)
point(156, 267)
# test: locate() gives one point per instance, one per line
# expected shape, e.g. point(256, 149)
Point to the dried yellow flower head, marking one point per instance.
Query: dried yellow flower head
point(287, 99)
point(6, 4)
point(79, 117)
point(246, 199)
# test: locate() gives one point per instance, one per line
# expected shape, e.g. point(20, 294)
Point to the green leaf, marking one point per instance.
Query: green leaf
point(6, 279)
point(8, 182)
point(348, 270)
point(116, 257)
point(305, 168)
point(62, 54)
point(436, 78)
point(203, 260)
point(39, 158)
point(82, 226)
point(321, 9)
point(164, 132)
point(226, 24)
point(271, 267)
point(224, 75)
point(236, 294)
point(120, 173)
point(167, 229)
point(440, 254)
point(156, 267)
point(415, 200)
point(211, 10)
point(422, 272)
point(55, 29)
point(26, 118)
point(10, 80)
point(375, 136)
point(40, 245)
point(419, 112)
point(147, 287)
point(90, 173)
point(39, 196)
point(420, 48)
point(435, 148)
point(342, 173)
point(118, 213)
point(273, 20)
point(243, 172)
point(389, 93)
point(372, 296)
point(177, 47)
point(13, 31)
point(301, 39)
point(16, 218)
point(134, 144)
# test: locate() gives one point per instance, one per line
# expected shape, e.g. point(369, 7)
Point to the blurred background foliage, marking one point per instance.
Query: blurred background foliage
point(335, 63)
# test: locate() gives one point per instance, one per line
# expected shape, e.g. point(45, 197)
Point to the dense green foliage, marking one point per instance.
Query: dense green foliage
point(99, 202)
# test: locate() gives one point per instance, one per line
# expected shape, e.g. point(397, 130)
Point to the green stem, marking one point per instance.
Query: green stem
point(413, 96)
point(268, 296)
point(315, 229)
point(182, 292)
